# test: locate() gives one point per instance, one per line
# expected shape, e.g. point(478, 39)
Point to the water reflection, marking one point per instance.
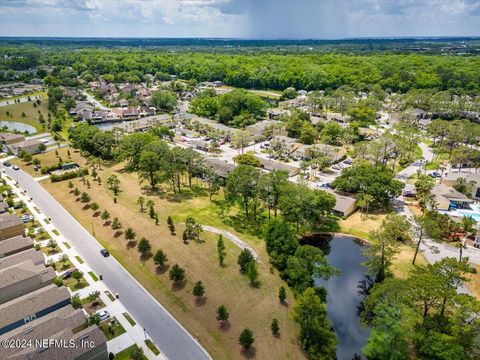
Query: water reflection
point(345, 292)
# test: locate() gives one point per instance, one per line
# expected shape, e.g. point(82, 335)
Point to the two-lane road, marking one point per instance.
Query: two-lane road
point(174, 341)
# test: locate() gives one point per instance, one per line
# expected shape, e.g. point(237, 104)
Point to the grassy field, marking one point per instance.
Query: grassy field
point(360, 226)
point(31, 113)
point(248, 307)
point(126, 354)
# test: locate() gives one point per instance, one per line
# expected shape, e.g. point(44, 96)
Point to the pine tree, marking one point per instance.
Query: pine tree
point(221, 250)
point(222, 313)
point(246, 339)
point(160, 258)
point(198, 289)
point(274, 327)
point(252, 273)
point(171, 225)
point(282, 294)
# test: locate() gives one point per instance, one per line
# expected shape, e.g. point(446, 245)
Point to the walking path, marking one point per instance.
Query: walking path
point(234, 239)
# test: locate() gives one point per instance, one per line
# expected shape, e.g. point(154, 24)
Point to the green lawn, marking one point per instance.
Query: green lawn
point(129, 319)
point(25, 113)
point(125, 354)
point(74, 284)
point(92, 274)
point(67, 245)
point(152, 346)
point(79, 259)
point(111, 330)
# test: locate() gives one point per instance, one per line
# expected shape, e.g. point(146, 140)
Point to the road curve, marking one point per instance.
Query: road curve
point(174, 341)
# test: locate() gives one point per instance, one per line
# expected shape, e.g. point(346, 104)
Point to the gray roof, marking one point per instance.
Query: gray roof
point(32, 303)
point(90, 334)
point(219, 167)
point(9, 220)
point(455, 175)
point(15, 243)
point(31, 254)
point(276, 165)
point(26, 143)
point(342, 203)
point(261, 126)
point(449, 193)
point(23, 271)
point(9, 136)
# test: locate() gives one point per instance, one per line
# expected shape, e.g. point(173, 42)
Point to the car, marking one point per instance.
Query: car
point(476, 243)
point(104, 253)
point(103, 315)
point(7, 163)
point(436, 174)
point(336, 167)
point(18, 205)
point(408, 194)
point(348, 161)
point(15, 167)
point(68, 273)
point(26, 218)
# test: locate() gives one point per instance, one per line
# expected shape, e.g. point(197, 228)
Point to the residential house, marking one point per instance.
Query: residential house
point(10, 226)
point(15, 245)
point(200, 145)
point(23, 278)
point(34, 305)
point(473, 179)
point(265, 128)
point(447, 198)
point(271, 165)
point(29, 146)
point(36, 257)
point(219, 167)
point(7, 140)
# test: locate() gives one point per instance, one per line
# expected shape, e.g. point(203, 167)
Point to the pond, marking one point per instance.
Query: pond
point(18, 126)
point(346, 254)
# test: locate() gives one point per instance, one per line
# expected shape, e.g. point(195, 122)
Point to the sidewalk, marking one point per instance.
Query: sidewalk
point(133, 334)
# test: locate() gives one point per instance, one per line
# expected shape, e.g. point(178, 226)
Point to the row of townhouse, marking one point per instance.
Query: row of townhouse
point(36, 312)
point(16, 143)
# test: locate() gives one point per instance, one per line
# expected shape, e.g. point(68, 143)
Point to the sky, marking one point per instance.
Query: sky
point(252, 19)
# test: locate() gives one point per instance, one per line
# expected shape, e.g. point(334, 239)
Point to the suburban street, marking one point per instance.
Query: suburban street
point(174, 341)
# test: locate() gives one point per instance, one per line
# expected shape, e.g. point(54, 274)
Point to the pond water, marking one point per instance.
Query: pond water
point(13, 125)
point(346, 254)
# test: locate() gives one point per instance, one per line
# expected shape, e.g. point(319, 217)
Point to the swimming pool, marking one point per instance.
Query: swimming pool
point(474, 213)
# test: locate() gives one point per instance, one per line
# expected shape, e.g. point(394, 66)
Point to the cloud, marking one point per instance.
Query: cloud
point(240, 18)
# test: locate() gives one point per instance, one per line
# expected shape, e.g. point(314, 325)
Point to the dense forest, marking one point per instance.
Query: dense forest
point(309, 71)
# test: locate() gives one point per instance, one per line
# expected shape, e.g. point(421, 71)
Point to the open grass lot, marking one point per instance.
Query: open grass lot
point(111, 330)
point(31, 113)
point(474, 283)
point(51, 158)
point(360, 226)
point(248, 307)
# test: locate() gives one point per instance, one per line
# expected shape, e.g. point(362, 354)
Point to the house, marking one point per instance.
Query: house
point(265, 128)
point(307, 152)
point(64, 325)
point(271, 165)
point(219, 167)
point(200, 145)
point(36, 257)
point(23, 278)
point(28, 146)
point(15, 245)
point(453, 178)
point(32, 306)
point(123, 103)
point(10, 226)
point(3, 205)
point(80, 107)
point(7, 139)
point(276, 113)
point(282, 143)
point(447, 198)
point(344, 205)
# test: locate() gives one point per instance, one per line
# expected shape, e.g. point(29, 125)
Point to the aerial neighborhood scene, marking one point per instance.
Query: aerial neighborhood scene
point(239, 179)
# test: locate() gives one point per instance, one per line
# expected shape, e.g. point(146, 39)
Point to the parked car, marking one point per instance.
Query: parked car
point(348, 161)
point(104, 253)
point(103, 315)
point(408, 194)
point(68, 273)
point(18, 205)
point(26, 218)
point(7, 163)
point(336, 167)
point(15, 167)
point(476, 243)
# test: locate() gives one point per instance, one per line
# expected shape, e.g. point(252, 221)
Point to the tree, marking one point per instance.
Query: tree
point(281, 242)
point(192, 228)
point(247, 159)
point(244, 259)
point(113, 182)
point(274, 327)
point(365, 178)
point(160, 258)
point(171, 225)
point(105, 215)
point(94, 206)
point(252, 273)
point(85, 198)
point(130, 234)
point(144, 246)
point(137, 354)
point(141, 202)
point(222, 314)
point(116, 225)
point(77, 275)
point(164, 100)
point(198, 289)
point(221, 252)
point(246, 339)
point(76, 192)
point(282, 294)
point(242, 187)
point(75, 301)
point(316, 334)
point(424, 185)
point(176, 273)
point(93, 319)
point(419, 231)
point(380, 254)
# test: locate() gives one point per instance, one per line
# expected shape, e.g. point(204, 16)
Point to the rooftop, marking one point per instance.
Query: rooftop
point(15, 243)
point(9, 220)
point(31, 254)
point(25, 270)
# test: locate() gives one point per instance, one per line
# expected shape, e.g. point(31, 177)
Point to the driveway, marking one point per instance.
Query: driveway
point(171, 337)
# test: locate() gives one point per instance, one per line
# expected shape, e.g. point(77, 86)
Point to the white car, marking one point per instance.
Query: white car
point(103, 315)
point(15, 167)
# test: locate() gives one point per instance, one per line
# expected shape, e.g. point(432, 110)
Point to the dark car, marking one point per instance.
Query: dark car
point(68, 273)
point(408, 194)
point(105, 253)
point(7, 163)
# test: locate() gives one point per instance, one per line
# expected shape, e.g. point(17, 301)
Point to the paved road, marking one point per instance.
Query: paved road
point(95, 102)
point(165, 331)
